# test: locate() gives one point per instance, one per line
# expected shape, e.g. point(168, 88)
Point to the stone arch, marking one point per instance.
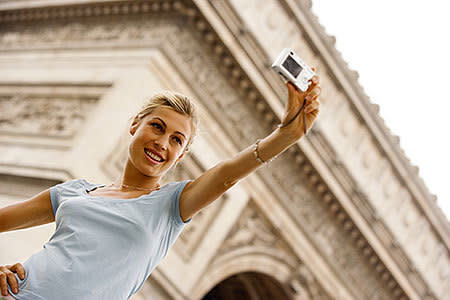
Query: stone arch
point(248, 286)
point(234, 263)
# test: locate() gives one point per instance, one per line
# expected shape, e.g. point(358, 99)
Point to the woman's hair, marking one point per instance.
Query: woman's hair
point(176, 101)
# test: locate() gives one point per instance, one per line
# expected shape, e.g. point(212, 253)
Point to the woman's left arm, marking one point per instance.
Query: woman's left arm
point(217, 180)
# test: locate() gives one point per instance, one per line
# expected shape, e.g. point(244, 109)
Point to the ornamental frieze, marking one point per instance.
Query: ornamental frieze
point(254, 235)
point(44, 115)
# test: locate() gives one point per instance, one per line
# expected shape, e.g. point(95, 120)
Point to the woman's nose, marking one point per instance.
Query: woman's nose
point(161, 142)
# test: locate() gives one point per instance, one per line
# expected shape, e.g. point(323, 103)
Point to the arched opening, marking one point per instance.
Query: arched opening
point(248, 286)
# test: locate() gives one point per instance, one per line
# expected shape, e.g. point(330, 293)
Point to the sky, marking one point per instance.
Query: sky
point(401, 50)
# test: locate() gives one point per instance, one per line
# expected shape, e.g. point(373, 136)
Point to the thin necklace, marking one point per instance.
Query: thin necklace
point(138, 188)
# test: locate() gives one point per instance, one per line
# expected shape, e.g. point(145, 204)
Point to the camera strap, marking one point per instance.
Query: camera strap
point(295, 117)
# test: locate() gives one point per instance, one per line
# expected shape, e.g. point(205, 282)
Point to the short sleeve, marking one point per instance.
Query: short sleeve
point(176, 203)
point(63, 191)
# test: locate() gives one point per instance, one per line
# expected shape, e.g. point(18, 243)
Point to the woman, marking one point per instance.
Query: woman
point(108, 239)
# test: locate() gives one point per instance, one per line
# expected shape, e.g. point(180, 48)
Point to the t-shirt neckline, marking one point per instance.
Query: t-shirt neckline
point(87, 190)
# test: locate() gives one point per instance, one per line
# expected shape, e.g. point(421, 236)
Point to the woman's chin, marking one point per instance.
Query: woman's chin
point(154, 171)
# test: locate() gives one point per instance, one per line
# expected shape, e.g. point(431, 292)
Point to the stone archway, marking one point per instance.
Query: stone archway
point(248, 286)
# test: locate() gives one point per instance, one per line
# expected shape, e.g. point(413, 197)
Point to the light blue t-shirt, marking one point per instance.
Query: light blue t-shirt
point(102, 248)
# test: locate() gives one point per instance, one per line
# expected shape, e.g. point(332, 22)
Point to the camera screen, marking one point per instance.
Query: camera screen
point(292, 66)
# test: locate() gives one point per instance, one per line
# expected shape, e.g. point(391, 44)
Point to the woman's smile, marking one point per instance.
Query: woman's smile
point(153, 156)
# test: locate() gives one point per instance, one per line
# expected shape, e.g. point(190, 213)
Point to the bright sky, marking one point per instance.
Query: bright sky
point(401, 50)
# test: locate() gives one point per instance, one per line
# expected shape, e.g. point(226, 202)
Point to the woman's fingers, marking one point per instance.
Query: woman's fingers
point(7, 277)
point(3, 280)
point(312, 106)
point(312, 95)
point(13, 282)
point(315, 81)
point(18, 268)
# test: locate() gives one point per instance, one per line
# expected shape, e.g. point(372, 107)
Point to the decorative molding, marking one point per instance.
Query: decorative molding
point(52, 111)
point(306, 286)
point(254, 235)
point(49, 116)
point(77, 10)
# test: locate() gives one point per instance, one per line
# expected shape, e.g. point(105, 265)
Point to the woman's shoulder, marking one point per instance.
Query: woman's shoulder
point(175, 185)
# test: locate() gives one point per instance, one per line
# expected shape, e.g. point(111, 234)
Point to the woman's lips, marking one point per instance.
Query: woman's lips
point(148, 154)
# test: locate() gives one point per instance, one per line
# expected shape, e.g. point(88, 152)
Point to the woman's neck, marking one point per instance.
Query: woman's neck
point(131, 177)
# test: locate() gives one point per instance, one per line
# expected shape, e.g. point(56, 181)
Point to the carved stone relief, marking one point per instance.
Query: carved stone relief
point(306, 286)
point(271, 19)
point(254, 233)
point(44, 115)
point(325, 229)
point(22, 36)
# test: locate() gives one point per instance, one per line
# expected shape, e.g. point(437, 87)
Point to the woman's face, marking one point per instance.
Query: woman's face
point(158, 141)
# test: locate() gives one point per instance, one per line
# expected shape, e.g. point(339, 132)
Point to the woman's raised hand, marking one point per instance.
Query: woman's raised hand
point(7, 277)
point(295, 101)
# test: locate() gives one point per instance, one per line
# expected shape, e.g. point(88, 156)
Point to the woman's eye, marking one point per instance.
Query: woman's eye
point(178, 140)
point(156, 125)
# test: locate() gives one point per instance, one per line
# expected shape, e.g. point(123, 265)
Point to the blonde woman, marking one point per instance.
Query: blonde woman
point(109, 238)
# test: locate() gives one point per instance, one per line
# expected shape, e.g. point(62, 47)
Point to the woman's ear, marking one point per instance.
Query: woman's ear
point(134, 125)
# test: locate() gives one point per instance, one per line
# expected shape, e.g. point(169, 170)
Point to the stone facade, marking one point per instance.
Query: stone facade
point(340, 215)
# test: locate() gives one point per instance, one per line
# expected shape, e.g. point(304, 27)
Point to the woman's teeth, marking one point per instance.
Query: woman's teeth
point(154, 156)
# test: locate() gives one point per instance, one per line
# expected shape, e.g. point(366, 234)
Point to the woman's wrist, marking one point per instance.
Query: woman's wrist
point(274, 144)
point(288, 135)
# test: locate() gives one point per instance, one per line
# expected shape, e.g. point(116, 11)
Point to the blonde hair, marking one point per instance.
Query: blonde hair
point(176, 101)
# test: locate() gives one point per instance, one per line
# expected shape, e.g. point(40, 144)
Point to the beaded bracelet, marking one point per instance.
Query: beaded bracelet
point(255, 152)
point(257, 157)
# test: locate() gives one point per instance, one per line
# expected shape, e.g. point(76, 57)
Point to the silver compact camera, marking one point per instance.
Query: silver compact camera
point(293, 69)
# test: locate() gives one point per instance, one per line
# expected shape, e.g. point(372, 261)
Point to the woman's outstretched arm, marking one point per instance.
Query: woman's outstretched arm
point(32, 212)
point(217, 180)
